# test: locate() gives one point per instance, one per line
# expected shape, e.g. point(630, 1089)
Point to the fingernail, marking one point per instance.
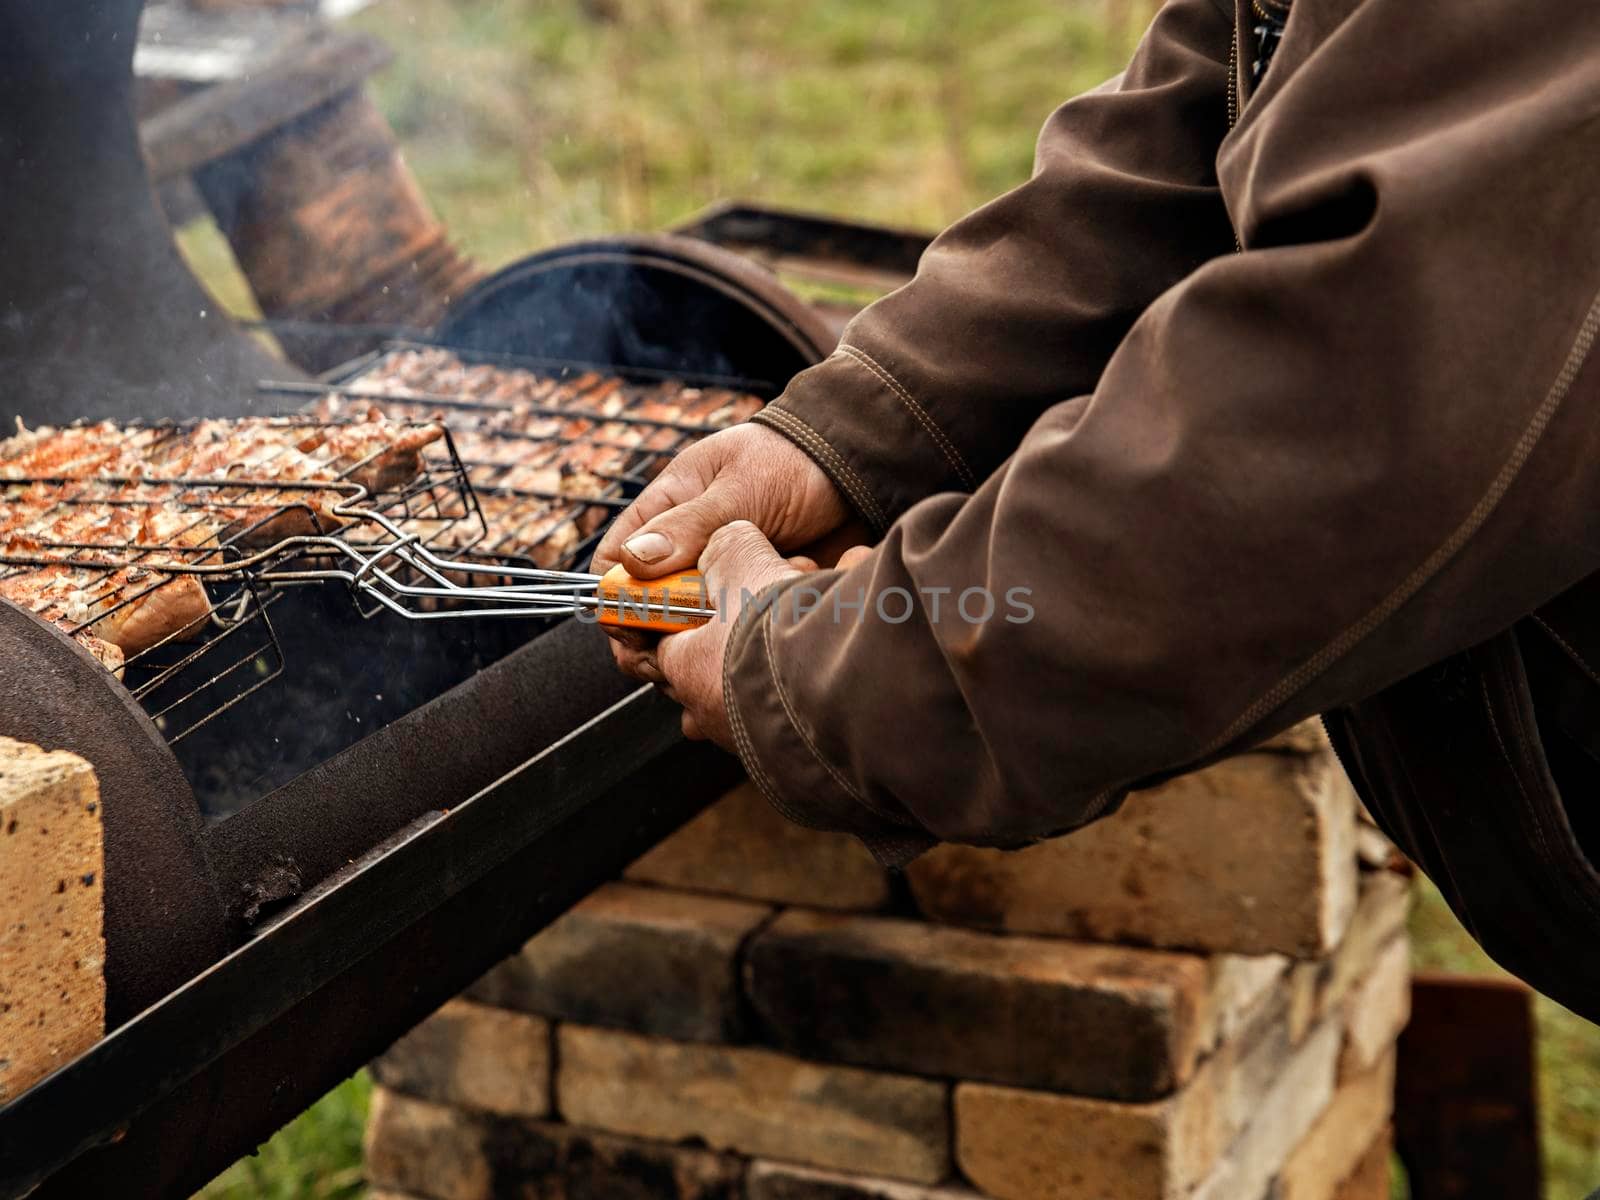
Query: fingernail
point(649, 547)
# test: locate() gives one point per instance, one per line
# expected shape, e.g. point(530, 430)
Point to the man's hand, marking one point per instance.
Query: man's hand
point(747, 473)
point(738, 564)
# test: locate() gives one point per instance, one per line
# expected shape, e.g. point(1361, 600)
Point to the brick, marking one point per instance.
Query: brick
point(754, 1102)
point(1028, 1145)
point(1308, 737)
point(1017, 1145)
point(425, 1149)
point(781, 1181)
point(1060, 1016)
point(1298, 1095)
point(1370, 1180)
point(1239, 987)
point(741, 846)
point(1339, 1143)
point(1380, 917)
point(52, 891)
point(1377, 1009)
point(476, 1056)
point(432, 1152)
point(646, 959)
point(598, 1166)
point(1254, 855)
point(1374, 848)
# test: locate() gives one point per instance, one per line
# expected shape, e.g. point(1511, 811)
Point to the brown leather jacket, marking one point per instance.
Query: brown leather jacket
point(1243, 487)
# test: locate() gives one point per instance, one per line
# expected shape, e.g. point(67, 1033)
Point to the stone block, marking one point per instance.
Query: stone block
point(432, 1152)
point(1377, 1009)
point(420, 1148)
point(782, 1181)
point(754, 1102)
point(1380, 917)
point(1028, 1145)
point(742, 846)
point(1078, 1017)
point(475, 1056)
point(1339, 1143)
point(52, 892)
point(1255, 855)
point(640, 958)
point(1370, 1181)
point(1294, 1098)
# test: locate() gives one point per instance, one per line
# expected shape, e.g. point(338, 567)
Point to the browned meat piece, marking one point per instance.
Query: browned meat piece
point(132, 609)
point(106, 512)
point(110, 656)
point(173, 609)
point(68, 453)
point(377, 453)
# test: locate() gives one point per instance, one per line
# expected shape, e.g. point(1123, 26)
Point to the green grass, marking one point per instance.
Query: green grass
point(316, 1157)
point(535, 121)
point(530, 122)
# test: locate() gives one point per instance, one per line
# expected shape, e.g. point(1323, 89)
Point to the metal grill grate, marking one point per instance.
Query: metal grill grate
point(514, 467)
point(551, 451)
point(161, 575)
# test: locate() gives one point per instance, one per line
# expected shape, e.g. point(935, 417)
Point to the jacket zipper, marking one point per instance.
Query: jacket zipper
point(1233, 105)
point(1233, 79)
point(1274, 16)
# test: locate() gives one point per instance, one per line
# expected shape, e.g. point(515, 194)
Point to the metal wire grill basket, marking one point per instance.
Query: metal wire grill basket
point(486, 518)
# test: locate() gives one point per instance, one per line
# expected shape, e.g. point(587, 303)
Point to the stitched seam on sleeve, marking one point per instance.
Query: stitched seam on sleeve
point(794, 720)
point(805, 739)
point(1571, 652)
point(745, 745)
point(742, 740)
point(1545, 829)
point(1333, 651)
point(843, 473)
point(945, 445)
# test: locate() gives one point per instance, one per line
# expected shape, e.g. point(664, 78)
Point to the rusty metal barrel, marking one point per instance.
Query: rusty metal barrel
point(330, 228)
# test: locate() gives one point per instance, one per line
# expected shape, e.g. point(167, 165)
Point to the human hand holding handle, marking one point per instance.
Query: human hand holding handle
point(737, 565)
point(747, 473)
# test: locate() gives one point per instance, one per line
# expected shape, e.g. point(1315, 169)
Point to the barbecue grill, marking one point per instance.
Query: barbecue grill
point(323, 819)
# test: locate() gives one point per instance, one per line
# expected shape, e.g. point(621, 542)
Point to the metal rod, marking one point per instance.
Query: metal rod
point(531, 362)
point(439, 400)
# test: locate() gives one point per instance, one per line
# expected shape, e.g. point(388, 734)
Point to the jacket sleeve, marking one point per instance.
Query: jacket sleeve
point(1020, 305)
point(1366, 442)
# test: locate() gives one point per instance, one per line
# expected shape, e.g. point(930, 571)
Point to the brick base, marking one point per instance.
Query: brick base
point(435, 1152)
point(667, 1043)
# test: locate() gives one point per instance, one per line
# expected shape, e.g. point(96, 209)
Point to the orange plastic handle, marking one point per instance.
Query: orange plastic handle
point(629, 603)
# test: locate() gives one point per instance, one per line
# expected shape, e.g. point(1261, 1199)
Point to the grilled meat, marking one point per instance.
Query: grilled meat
point(97, 520)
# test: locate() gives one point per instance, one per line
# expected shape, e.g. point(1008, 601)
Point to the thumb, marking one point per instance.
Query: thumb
point(675, 539)
point(739, 557)
point(853, 556)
